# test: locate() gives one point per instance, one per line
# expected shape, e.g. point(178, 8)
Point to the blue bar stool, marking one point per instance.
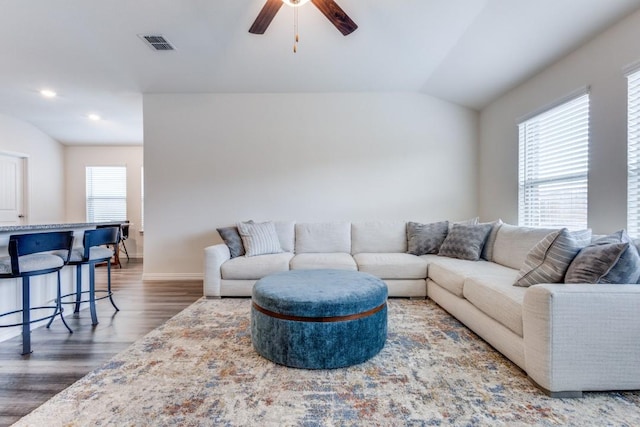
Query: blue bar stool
point(31, 255)
point(91, 254)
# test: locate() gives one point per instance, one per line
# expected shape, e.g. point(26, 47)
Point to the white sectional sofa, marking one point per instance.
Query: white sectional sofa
point(568, 338)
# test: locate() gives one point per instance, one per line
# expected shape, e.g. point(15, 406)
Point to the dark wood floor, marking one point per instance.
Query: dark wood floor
point(60, 358)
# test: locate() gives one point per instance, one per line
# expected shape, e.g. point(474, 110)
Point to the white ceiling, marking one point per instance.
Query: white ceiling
point(464, 51)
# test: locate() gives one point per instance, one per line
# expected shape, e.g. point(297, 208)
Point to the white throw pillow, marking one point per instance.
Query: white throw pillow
point(259, 238)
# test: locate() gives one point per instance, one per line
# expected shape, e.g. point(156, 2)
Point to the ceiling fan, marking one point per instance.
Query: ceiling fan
point(329, 8)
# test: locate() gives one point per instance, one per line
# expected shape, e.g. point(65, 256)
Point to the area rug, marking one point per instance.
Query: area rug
point(200, 369)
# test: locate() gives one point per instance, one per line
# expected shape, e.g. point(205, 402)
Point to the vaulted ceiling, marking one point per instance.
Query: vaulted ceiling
point(464, 51)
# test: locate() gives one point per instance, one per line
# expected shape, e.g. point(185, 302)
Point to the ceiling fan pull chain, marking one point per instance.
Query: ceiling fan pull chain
point(295, 30)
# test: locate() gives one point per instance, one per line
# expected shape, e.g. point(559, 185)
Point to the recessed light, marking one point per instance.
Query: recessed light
point(47, 93)
point(94, 117)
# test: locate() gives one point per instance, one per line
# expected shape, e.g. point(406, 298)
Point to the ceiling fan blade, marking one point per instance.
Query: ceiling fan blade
point(336, 15)
point(266, 15)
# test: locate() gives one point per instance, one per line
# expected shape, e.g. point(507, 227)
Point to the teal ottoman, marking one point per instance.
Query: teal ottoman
point(319, 319)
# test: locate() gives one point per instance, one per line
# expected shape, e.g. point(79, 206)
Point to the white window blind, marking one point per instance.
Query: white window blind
point(633, 154)
point(553, 166)
point(106, 193)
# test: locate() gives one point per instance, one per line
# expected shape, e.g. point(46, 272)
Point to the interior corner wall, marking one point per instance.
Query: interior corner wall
point(77, 158)
point(599, 64)
point(45, 168)
point(214, 159)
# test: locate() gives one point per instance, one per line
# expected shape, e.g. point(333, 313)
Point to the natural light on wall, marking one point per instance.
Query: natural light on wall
point(106, 193)
point(553, 166)
point(633, 154)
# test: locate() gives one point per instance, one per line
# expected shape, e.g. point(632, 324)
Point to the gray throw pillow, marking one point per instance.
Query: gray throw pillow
point(425, 239)
point(259, 238)
point(487, 250)
point(232, 239)
point(594, 262)
point(548, 261)
point(627, 269)
point(465, 241)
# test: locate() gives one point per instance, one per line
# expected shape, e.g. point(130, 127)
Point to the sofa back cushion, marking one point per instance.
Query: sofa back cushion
point(286, 234)
point(322, 237)
point(379, 237)
point(513, 243)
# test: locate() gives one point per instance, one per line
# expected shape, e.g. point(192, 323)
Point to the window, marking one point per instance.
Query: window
point(106, 193)
point(142, 198)
point(553, 166)
point(633, 154)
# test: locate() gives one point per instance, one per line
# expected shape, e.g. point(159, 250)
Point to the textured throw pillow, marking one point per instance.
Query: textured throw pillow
point(627, 269)
point(594, 262)
point(465, 241)
point(232, 239)
point(487, 250)
point(425, 239)
point(548, 261)
point(259, 238)
point(470, 221)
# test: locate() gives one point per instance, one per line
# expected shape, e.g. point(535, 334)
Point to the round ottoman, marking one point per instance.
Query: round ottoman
point(319, 319)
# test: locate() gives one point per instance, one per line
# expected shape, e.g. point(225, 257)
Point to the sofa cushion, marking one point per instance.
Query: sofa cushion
point(513, 243)
point(259, 238)
point(256, 267)
point(378, 237)
point(497, 298)
point(392, 265)
point(425, 239)
point(323, 237)
point(465, 241)
point(232, 239)
point(286, 234)
point(548, 260)
point(314, 261)
point(451, 273)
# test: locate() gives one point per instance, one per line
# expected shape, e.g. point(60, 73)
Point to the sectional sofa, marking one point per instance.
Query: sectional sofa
point(568, 338)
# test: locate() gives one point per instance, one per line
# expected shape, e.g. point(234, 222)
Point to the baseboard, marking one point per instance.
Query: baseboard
point(172, 277)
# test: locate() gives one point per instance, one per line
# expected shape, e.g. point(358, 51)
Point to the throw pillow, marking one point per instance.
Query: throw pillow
point(548, 261)
point(594, 262)
point(465, 241)
point(425, 239)
point(470, 221)
point(627, 269)
point(487, 250)
point(232, 239)
point(259, 238)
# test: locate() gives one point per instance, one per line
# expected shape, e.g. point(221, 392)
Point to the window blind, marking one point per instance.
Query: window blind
point(633, 154)
point(106, 193)
point(553, 166)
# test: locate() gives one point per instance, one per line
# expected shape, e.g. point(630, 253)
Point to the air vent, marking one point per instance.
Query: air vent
point(156, 41)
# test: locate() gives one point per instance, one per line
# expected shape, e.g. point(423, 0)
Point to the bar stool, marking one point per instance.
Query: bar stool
point(91, 254)
point(30, 255)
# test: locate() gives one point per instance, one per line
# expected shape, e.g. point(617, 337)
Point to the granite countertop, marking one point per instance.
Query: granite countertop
point(64, 226)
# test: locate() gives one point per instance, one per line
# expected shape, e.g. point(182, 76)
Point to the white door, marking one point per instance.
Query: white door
point(11, 190)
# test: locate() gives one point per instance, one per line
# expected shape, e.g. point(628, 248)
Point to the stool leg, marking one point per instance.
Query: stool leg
point(109, 286)
point(59, 308)
point(78, 288)
point(92, 293)
point(26, 317)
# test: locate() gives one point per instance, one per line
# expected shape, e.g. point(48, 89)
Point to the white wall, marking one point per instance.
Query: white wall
point(598, 64)
point(77, 158)
point(214, 159)
point(45, 163)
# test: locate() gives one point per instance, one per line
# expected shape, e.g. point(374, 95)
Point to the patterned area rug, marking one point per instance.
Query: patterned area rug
point(200, 369)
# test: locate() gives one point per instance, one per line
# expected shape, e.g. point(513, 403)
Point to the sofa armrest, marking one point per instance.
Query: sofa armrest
point(214, 257)
point(582, 337)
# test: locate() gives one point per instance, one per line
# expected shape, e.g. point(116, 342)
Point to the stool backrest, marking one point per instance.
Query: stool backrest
point(100, 236)
point(27, 244)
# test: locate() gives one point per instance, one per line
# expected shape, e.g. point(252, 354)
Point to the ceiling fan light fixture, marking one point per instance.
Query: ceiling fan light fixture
point(295, 3)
